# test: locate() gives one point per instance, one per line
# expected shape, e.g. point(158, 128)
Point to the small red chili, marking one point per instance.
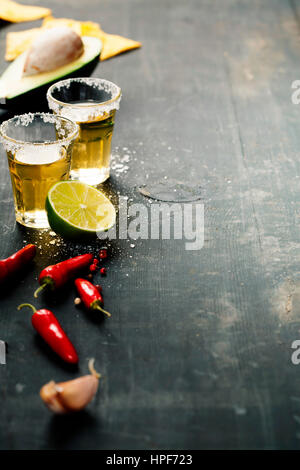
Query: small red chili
point(95, 261)
point(16, 262)
point(103, 271)
point(93, 268)
point(46, 324)
point(90, 295)
point(103, 253)
point(57, 275)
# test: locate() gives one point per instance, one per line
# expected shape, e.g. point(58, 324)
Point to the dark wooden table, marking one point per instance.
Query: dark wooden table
point(198, 351)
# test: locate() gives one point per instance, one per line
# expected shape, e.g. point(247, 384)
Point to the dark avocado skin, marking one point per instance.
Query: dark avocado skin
point(35, 100)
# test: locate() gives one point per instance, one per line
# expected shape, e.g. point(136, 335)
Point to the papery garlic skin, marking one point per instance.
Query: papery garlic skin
point(52, 49)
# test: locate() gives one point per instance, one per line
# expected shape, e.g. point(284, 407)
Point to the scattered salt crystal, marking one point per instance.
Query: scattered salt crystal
point(20, 388)
point(240, 410)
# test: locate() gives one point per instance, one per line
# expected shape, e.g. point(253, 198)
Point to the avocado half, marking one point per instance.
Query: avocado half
point(17, 91)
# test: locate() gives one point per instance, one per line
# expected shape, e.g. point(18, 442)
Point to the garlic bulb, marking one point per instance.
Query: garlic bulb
point(73, 395)
point(52, 49)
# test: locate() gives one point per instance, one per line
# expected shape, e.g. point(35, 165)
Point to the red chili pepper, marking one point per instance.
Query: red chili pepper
point(103, 271)
point(47, 325)
point(93, 268)
point(15, 263)
point(90, 295)
point(103, 253)
point(57, 275)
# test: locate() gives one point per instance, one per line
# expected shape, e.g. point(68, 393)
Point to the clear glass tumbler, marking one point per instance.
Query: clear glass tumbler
point(39, 148)
point(92, 104)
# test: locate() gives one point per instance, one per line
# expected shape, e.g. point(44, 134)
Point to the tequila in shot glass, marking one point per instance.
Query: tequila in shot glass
point(38, 148)
point(92, 104)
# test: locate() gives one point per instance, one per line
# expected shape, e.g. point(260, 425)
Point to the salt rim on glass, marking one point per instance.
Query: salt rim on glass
point(13, 145)
point(86, 111)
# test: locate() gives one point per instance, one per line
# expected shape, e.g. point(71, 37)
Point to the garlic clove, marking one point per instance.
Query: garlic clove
point(48, 394)
point(76, 394)
point(52, 49)
point(73, 395)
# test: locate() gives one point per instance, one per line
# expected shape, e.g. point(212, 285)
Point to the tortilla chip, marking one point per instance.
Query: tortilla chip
point(88, 28)
point(51, 22)
point(114, 45)
point(16, 13)
point(18, 42)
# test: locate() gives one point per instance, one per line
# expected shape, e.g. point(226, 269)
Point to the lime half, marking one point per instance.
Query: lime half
point(76, 210)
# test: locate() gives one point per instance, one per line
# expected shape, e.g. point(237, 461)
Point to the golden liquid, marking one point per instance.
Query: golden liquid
point(31, 183)
point(92, 150)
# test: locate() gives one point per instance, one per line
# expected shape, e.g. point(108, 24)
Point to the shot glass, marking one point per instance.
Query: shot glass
point(39, 148)
point(92, 104)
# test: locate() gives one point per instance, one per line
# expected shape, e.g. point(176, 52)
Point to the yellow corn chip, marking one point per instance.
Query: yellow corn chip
point(114, 45)
point(18, 42)
point(51, 22)
point(16, 13)
point(88, 28)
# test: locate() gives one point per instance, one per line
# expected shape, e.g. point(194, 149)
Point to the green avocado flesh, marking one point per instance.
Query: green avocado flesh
point(14, 87)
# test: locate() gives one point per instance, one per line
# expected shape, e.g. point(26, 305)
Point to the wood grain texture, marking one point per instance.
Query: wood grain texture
point(197, 354)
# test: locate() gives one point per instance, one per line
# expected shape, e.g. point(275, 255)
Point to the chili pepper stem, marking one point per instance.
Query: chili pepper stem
point(97, 307)
point(39, 289)
point(27, 305)
point(92, 368)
